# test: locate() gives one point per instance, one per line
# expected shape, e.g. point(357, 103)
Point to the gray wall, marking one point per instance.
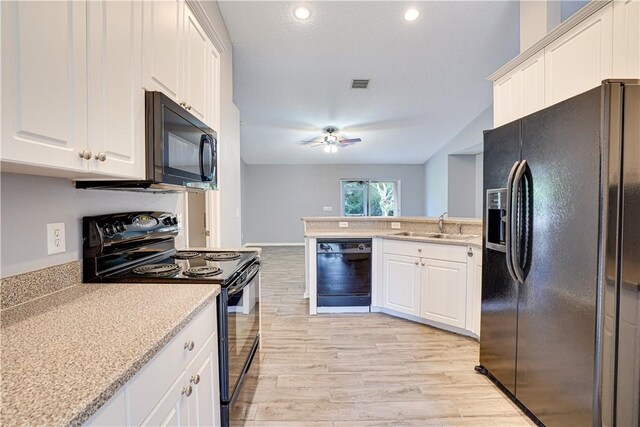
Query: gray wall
point(30, 202)
point(478, 191)
point(462, 186)
point(276, 197)
point(570, 7)
point(436, 173)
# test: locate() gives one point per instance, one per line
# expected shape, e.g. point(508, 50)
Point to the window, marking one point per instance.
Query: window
point(369, 198)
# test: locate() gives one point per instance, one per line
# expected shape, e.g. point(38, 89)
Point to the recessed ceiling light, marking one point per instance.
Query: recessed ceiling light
point(302, 12)
point(411, 15)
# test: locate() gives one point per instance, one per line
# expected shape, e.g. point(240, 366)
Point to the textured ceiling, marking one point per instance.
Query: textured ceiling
point(428, 77)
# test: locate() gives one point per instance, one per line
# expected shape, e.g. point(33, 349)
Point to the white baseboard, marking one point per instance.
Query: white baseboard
point(417, 319)
point(274, 244)
point(359, 309)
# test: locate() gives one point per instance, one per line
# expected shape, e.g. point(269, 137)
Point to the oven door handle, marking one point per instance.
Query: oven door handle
point(252, 274)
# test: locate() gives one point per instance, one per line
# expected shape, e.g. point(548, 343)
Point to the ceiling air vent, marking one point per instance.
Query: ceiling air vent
point(359, 83)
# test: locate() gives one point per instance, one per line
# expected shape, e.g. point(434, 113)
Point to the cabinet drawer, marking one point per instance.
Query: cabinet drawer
point(426, 250)
point(156, 378)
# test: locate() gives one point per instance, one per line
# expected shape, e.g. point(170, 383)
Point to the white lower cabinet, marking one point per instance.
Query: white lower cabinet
point(444, 292)
point(401, 283)
point(178, 387)
point(438, 286)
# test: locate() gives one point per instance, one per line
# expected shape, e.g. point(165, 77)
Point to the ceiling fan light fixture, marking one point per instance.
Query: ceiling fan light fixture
point(302, 13)
point(331, 139)
point(327, 149)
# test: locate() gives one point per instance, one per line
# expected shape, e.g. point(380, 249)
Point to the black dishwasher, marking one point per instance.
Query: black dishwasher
point(344, 272)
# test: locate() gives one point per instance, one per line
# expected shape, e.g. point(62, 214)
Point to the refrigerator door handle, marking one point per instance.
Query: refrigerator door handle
point(515, 223)
point(508, 230)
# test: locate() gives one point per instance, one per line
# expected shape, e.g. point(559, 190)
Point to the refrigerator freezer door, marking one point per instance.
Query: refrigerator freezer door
point(628, 390)
point(499, 290)
point(557, 302)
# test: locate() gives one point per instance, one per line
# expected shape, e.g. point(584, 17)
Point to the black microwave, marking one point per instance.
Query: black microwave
point(181, 150)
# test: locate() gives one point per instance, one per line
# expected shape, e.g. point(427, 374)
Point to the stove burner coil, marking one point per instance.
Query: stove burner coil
point(185, 255)
point(203, 271)
point(157, 270)
point(222, 256)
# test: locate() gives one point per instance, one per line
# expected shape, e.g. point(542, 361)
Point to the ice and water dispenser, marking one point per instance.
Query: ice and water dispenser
point(496, 219)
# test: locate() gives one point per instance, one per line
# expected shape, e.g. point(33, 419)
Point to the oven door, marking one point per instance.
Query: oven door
point(241, 304)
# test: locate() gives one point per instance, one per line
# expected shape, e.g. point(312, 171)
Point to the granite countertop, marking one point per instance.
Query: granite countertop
point(475, 241)
point(65, 354)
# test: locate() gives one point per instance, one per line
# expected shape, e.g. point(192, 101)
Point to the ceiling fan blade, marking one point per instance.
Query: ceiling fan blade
point(350, 141)
point(311, 141)
point(319, 144)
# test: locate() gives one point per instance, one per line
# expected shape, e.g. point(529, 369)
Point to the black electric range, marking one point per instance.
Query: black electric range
point(139, 247)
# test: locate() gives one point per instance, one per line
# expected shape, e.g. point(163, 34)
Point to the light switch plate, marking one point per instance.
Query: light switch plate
point(56, 238)
point(343, 224)
point(395, 225)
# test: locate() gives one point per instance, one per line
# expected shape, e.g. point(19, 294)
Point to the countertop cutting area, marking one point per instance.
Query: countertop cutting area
point(54, 347)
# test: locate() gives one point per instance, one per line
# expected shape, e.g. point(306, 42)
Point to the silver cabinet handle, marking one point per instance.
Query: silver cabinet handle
point(469, 251)
point(183, 104)
point(189, 345)
point(188, 107)
point(419, 249)
point(187, 390)
point(101, 156)
point(195, 379)
point(422, 264)
point(417, 263)
point(85, 154)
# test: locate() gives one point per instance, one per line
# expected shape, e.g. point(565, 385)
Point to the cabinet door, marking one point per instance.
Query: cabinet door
point(444, 292)
point(626, 39)
point(530, 96)
point(112, 413)
point(213, 90)
point(161, 44)
point(204, 403)
point(44, 86)
point(196, 57)
point(116, 97)
point(401, 283)
point(505, 105)
point(580, 59)
point(172, 410)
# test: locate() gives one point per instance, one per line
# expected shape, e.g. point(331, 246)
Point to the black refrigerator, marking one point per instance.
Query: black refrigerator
point(560, 326)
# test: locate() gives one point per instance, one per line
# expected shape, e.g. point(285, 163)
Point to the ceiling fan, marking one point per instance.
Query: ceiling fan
point(331, 142)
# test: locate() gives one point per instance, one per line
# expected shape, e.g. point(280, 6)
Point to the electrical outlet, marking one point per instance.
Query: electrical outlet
point(179, 218)
point(395, 225)
point(327, 208)
point(343, 224)
point(56, 238)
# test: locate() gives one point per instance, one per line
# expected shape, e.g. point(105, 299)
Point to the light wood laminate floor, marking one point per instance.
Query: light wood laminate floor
point(359, 369)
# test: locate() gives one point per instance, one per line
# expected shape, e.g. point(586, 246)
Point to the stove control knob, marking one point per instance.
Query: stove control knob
point(175, 220)
point(120, 226)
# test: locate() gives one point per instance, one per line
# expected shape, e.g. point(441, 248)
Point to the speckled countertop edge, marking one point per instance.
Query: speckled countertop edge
point(447, 220)
point(76, 412)
point(475, 242)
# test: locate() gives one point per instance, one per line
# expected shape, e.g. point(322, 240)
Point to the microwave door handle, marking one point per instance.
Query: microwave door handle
point(203, 140)
point(214, 157)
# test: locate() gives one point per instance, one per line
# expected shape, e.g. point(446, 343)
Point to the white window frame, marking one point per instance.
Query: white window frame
point(396, 211)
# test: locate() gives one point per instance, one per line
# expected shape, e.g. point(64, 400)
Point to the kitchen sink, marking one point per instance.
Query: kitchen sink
point(435, 235)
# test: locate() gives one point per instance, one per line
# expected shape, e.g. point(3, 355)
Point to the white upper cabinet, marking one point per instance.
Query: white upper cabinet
point(581, 58)
point(626, 39)
point(520, 92)
point(44, 86)
point(195, 59)
point(213, 87)
point(116, 97)
point(179, 60)
point(603, 44)
point(162, 43)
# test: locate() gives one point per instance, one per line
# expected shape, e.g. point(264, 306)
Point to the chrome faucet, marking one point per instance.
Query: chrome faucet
point(441, 221)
